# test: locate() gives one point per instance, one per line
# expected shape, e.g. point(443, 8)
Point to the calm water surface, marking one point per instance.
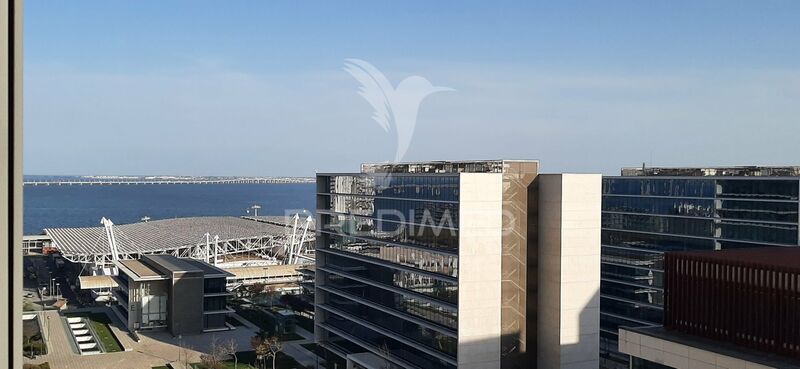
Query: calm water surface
point(80, 206)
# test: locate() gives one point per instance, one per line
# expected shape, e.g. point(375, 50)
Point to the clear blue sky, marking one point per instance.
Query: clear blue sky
point(258, 88)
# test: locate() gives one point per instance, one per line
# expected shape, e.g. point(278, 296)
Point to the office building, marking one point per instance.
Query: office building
point(649, 211)
point(184, 296)
point(479, 264)
point(724, 309)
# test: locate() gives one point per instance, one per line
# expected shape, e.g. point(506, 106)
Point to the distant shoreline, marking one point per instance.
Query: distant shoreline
point(42, 180)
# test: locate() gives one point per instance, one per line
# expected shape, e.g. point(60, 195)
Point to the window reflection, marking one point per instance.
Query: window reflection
point(655, 224)
point(438, 187)
point(654, 242)
point(388, 231)
point(642, 294)
point(425, 336)
point(411, 257)
point(758, 189)
point(674, 187)
point(642, 259)
point(654, 205)
point(760, 232)
point(631, 310)
point(758, 210)
point(425, 310)
point(422, 284)
point(429, 213)
point(382, 343)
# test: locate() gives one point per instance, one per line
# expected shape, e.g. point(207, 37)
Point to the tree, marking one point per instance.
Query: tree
point(230, 348)
point(185, 351)
point(27, 339)
point(274, 346)
point(384, 350)
point(266, 347)
point(216, 355)
point(257, 344)
point(255, 289)
point(269, 293)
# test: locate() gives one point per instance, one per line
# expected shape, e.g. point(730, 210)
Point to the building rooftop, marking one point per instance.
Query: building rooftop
point(444, 166)
point(282, 220)
point(158, 235)
point(155, 267)
point(272, 271)
point(139, 270)
point(741, 171)
point(171, 263)
point(91, 282)
point(718, 347)
point(208, 269)
point(786, 258)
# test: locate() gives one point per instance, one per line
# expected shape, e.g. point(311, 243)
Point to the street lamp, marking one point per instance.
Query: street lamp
point(180, 347)
point(58, 290)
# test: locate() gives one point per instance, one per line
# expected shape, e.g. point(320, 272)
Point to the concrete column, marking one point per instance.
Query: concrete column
point(11, 183)
point(479, 277)
point(569, 271)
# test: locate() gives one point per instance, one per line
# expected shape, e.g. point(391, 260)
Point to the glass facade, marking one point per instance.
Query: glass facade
point(387, 266)
point(214, 285)
point(643, 217)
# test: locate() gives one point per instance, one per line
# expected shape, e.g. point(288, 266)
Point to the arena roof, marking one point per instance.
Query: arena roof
point(159, 235)
point(272, 271)
point(91, 282)
point(283, 220)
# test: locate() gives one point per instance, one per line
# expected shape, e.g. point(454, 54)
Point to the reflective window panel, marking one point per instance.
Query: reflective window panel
point(431, 312)
point(445, 264)
point(674, 187)
point(425, 236)
point(422, 284)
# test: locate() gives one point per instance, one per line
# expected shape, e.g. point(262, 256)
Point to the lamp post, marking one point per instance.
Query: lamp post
point(58, 290)
point(180, 348)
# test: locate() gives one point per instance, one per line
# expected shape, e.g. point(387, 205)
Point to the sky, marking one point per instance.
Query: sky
point(257, 88)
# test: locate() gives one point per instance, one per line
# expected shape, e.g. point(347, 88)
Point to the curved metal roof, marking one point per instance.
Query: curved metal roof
point(159, 235)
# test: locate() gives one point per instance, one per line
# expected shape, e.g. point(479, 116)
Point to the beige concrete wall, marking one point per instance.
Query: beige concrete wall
point(678, 355)
point(569, 271)
point(480, 253)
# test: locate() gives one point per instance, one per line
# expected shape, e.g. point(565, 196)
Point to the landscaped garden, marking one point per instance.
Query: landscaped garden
point(99, 323)
point(248, 360)
point(32, 342)
point(36, 366)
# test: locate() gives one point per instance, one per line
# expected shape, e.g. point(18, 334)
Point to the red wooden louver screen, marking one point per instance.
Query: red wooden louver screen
point(746, 303)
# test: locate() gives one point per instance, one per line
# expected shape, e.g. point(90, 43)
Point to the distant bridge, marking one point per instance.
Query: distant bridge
point(98, 182)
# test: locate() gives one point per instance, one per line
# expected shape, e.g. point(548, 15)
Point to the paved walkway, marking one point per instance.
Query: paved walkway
point(294, 349)
point(155, 348)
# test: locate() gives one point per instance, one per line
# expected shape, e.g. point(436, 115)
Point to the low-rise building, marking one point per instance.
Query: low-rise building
point(184, 296)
